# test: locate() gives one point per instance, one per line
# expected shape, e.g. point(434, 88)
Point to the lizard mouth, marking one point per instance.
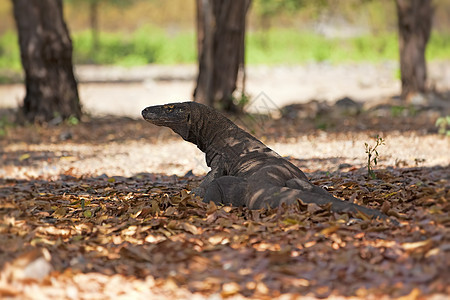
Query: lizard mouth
point(147, 114)
point(151, 116)
point(156, 116)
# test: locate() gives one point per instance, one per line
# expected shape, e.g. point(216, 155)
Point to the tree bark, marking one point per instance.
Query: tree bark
point(220, 40)
point(414, 25)
point(93, 19)
point(46, 53)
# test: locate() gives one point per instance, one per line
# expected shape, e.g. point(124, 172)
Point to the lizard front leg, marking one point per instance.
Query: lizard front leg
point(201, 189)
point(227, 190)
point(216, 171)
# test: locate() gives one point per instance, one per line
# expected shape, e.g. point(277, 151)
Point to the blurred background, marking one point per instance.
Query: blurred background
point(140, 32)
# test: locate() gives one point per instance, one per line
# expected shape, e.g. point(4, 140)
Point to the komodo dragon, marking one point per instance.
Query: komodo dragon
point(244, 171)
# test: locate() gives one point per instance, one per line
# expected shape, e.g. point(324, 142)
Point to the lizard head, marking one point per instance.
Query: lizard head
point(174, 115)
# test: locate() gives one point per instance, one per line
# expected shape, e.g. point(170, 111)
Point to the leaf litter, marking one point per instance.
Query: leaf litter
point(79, 236)
point(148, 229)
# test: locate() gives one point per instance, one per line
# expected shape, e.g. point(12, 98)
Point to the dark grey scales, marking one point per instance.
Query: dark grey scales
point(244, 171)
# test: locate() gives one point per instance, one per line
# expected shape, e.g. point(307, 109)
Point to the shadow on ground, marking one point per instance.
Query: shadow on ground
point(346, 116)
point(148, 225)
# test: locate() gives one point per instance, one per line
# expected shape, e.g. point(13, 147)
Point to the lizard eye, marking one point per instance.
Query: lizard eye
point(188, 118)
point(168, 108)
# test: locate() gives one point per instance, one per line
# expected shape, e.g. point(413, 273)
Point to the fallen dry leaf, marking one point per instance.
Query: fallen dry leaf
point(145, 236)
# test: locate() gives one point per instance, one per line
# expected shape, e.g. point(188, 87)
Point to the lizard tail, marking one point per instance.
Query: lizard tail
point(274, 196)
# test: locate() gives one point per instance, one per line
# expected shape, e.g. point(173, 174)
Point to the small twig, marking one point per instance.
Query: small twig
point(372, 156)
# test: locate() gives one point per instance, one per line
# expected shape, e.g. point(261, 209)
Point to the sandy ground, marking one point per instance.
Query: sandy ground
point(327, 152)
point(129, 90)
point(139, 87)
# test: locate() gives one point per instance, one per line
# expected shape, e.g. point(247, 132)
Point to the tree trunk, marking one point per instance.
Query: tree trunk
point(414, 25)
point(93, 19)
point(46, 53)
point(221, 32)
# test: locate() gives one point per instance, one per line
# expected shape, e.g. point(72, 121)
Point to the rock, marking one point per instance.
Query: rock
point(33, 265)
point(347, 106)
point(66, 135)
point(308, 110)
point(418, 99)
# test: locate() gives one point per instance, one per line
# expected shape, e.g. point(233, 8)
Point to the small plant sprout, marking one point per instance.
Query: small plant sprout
point(443, 125)
point(372, 156)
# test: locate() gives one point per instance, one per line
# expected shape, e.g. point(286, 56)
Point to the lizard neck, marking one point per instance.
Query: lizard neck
point(219, 138)
point(210, 131)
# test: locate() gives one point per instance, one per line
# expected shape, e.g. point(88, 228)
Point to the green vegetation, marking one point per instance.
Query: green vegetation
point(72, 121)
point(290, 46)
point(372, 156)
point(275, 46)
point(438, 47)
point(5, 124)
point(9, 52)
point(443, 125)
point(144, 46)
point(400, 110)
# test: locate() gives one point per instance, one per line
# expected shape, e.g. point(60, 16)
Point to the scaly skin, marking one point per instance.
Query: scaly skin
point(244, 171)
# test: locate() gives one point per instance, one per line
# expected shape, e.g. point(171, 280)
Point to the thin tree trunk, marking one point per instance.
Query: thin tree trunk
point(205, 37)
point(200, 26)
point(414, 24)
point(46, 52)
point(93, 18)
point(221, 27)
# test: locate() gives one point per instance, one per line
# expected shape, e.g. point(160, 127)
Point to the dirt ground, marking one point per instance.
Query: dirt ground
point(120, 92)
point(322, 152)
point(124, 92)
point(100, 209)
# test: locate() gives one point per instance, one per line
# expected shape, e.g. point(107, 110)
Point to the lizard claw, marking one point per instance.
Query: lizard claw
point(199, 192)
